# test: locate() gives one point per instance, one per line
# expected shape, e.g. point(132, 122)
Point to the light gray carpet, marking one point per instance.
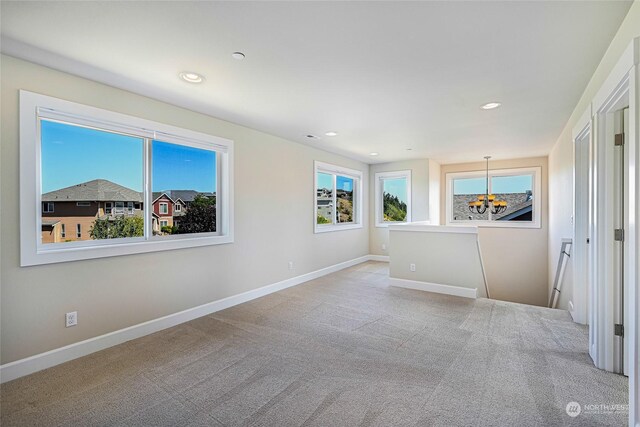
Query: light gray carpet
point(343, 350)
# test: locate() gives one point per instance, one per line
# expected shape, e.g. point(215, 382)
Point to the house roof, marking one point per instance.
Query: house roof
point(97, 190)
point(158, 194)
point(515, 202)
point(50, 222)
point(185, 195)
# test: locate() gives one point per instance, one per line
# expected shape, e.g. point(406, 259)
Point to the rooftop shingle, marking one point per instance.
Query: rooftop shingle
point(98, 190)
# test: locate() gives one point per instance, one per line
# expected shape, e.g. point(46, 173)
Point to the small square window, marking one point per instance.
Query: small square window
point(47, 207)
point(393, 197)
point(338, 201)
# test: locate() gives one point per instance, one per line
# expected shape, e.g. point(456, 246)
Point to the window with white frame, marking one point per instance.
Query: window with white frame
point(119, 209)
point(63, 231)
point(47, 207)
point(338, 198)
point(164, 208)
point(508, 198)
point(122, 157)
point(392, 197)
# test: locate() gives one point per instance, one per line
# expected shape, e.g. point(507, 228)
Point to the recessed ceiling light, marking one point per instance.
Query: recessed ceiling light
point(409, 149)
point(373, 154)
point(191, 77)
point(491, 105)
point(238, 55)
point(331, 133)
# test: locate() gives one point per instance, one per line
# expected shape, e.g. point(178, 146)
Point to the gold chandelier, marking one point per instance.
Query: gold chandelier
point(486, 200)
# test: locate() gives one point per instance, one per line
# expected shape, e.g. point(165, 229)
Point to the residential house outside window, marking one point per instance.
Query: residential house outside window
point(519, 188)
point(338, 201)
point(392, 197)
point(113, 156)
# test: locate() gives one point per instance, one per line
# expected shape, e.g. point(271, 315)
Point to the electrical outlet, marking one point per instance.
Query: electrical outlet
point(412, 267)
point(384, 246)
point(290, 265)
point(71, 319)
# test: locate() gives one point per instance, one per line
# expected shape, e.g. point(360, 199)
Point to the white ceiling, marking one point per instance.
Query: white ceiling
point(387, 76)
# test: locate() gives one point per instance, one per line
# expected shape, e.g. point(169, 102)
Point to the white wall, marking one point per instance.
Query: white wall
point(515, 259)
point(434, 192)
point(561, 156)
point(271, 228)
point(421, 198)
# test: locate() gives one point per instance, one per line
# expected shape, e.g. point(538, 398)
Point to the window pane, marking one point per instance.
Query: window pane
point(467, 190)
point(394, 196)
point(517, 192)
point(344, 197)
point(81, 170)
point(188, 174)
point(324, 198)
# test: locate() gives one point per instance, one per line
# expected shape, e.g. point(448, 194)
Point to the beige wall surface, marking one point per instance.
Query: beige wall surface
point(561, 156)
point(515, 259)
point(419, 199)
point(441, 258)
point(113, 293)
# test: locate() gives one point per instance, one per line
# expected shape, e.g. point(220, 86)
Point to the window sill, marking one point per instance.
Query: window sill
point(492, 224)
point(387, 224)
point(329, 228)
point(59, 253)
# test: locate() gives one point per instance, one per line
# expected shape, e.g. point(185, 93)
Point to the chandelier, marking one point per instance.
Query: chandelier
point(486, 200)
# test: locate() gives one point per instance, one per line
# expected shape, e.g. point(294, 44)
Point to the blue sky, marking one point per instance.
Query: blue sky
point(326, 181)
point(176, 167)
point(499, 185)
point(396, 187)
point(72, 155)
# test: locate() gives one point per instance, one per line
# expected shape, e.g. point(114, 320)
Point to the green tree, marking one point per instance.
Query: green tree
point(322, 220)
point(200, 216)
point(393, 208)
point(121, 226)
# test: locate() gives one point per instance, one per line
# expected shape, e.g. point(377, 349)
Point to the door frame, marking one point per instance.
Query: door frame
point(619, 90)
point(579, 307)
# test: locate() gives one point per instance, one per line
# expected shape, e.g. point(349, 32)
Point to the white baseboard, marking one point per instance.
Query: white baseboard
point(383, 258)
point(435, 287)
point(38, 362)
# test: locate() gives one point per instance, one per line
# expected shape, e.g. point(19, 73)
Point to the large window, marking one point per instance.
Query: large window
point(118, 164)
point(393, 197)
point(513, 195)
point(338, 198)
